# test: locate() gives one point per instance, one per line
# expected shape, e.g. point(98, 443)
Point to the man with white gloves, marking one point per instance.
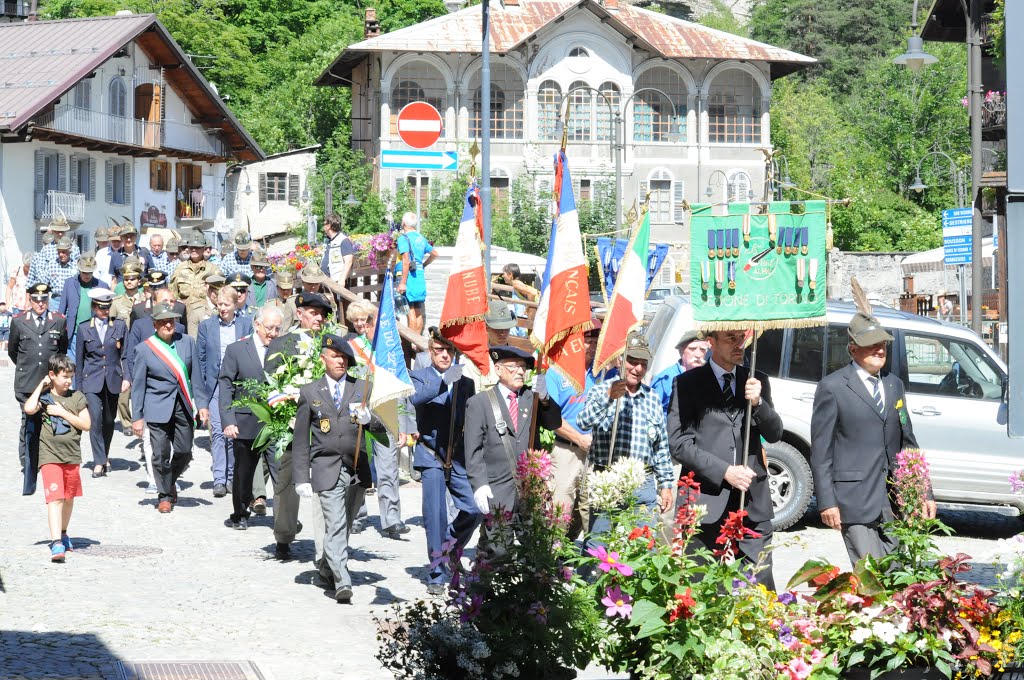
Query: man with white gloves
point(500, 424)
point(326, 453)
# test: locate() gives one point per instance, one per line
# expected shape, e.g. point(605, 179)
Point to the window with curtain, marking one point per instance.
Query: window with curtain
point(508, 103)
point(549, 95)
point(653, 120)
point(734, 108)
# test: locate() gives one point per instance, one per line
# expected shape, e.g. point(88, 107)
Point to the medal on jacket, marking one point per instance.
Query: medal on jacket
point(325, 425)
point(117, 345)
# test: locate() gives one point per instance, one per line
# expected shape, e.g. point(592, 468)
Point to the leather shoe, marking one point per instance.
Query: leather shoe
point(164, 506)
point(395, 532)
point(358, 526)
point(343, 594)
point(219, 491)
point(298, 527)
point(323, 580)
point(101, 473)
point(282, 552)
point(259, 507)
point(243, 524)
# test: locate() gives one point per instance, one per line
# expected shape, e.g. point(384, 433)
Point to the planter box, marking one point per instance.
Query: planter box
point(1015, 673)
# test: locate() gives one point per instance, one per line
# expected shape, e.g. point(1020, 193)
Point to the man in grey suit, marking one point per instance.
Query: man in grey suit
point(326, 453)
point(858, 425)
point(500, 424)
point(243, 360)
point(705, 428)
point(166, 389)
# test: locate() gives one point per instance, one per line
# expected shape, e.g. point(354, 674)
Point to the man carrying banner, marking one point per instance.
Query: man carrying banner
point(165, 372)
point(706, 427)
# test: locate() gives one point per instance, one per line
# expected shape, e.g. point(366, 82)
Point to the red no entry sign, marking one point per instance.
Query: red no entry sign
point(419, 125)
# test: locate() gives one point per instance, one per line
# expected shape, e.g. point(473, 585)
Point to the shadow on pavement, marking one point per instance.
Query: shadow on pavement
point(28, 655)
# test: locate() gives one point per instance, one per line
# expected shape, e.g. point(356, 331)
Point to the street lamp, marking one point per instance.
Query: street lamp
point(775, 169)
point(958, 184)
point(709, 192)
point(915, 58)
point(617, 142)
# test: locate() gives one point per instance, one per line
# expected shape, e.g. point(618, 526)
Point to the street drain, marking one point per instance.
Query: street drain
point(117, 551)
point(191, 670)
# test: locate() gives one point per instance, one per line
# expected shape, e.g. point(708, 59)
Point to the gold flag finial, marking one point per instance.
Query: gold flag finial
point(474, 150)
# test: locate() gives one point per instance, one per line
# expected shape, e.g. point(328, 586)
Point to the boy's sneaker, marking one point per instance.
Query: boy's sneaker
point(57, 552)
point(66, 542)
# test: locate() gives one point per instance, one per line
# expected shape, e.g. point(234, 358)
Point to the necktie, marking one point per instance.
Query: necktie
point(39, 322)
point(513, 410)
point(876, 392)
point(337, 396)
point(727, 387)
point(101, 330)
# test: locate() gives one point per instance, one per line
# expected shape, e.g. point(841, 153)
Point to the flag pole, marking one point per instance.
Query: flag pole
point(451, 429)
point(485, 135)
point(749, 415)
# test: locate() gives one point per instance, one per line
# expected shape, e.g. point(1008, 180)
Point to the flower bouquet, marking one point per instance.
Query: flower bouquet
point(519, 612)
point(295, 261)
point(374, 250)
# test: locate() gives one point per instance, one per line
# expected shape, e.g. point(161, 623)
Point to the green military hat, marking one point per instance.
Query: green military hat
point(115, 232)
point(225, 249)
point(239, 280)
point(285, 279)
point(243, 241)
point(132, 265)
point(39, 291)
point(688, 337)
point(173, 245)
point(195, 240)
point(311, 275)
point(48, 238)
point(59, 223)
point(215, 280)
point(865, 329)
point(259, 259)
point(87, 263)
point(128, 227)
point(500, 316)
point(163, 311)
point(637, 347)
point(64, 243)
point(102, 234)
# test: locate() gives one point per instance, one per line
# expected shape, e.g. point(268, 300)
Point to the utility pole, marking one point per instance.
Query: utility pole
point(1015, 215)
point(974, 76)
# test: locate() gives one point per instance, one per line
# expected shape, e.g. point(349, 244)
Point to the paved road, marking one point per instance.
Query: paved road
point(142, 586)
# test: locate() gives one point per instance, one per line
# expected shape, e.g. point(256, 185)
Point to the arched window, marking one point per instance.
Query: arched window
point(417, 81)
point(612, 95)
point(581, 111)
point(652, 113)
point(578, 52)
point(118, 98)
point(507, 104)
point(734, 108)
point(549, 96)
point(739, 187)
point(667, 204)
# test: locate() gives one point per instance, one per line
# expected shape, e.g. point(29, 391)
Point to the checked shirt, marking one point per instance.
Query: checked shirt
point(46, 269)
point(231, 264)
point(641, 433)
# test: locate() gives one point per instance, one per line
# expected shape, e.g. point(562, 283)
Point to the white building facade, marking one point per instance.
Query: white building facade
point(690, 104)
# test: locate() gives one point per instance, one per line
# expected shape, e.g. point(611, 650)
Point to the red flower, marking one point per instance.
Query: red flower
point(822, 579)
point(298, 266)
point(732, 533)
point(683, 608)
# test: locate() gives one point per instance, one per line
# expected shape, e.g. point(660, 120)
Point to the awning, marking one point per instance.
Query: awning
point(932, 260)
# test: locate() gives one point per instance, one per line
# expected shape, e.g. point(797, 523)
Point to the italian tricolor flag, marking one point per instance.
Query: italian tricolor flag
point(627, 307)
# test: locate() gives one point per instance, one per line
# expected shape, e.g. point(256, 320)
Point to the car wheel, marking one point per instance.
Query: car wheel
point(790, 482)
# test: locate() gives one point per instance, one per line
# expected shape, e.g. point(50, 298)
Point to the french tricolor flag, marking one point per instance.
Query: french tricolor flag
point(563, 314)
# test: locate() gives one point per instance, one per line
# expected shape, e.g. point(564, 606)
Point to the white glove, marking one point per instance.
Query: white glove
point(362, 416)
point(482, 496)
point(540, 386)
point(304, 490)
point(452, 375)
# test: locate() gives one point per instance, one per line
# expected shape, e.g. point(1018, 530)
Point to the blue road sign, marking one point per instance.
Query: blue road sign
point(956, 235)
point(419, 160)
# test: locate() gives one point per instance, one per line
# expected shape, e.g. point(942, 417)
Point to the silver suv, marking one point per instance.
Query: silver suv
point(955, 392)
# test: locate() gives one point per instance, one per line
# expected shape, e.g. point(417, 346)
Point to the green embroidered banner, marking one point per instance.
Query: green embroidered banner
point(758, 271)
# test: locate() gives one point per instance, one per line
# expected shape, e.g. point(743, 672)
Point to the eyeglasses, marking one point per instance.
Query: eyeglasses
point(513, 368)
point(440, 350)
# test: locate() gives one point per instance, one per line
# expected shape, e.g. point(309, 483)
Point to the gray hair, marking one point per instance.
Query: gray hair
point(266, 311)
point(410, 220)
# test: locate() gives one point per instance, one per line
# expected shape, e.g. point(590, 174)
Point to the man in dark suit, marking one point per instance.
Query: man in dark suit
point(215, 334)
point(72, 301)
point(244, 360)
point(310, 311)
point(705, 426)
point(129, 248)
point(98, 365)
point(36, 335)
point(326, 453)
point(165, 391)
point(858, 425)
point(155, 280)
point(441, 389)
point(500, 425)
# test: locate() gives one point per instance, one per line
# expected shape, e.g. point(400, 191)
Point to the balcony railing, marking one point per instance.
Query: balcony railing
point(15, 8)
point(192, 207)
point(102, 126)
point(55, 203)
point(191, 138)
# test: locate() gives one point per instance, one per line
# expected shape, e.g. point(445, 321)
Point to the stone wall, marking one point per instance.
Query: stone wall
point(881, 277)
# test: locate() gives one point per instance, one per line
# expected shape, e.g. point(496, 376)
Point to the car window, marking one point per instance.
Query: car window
point(769, 352)
point(808, 354)
point(838, 352)
point(949, 367)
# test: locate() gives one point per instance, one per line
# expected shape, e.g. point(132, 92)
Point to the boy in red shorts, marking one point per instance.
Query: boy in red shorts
point(60, 447)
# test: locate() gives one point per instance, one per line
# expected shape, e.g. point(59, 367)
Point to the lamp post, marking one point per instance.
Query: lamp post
point(307, 199)
point(617, 142)
point(350, 202)
point(916, 58)
point(234, 192)
point(775, 169)
point(709, 192)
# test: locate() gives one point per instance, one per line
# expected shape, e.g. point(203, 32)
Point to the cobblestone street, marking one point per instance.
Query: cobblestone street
point(181, 587)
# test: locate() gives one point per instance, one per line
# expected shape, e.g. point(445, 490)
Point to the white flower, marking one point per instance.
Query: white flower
point(860, 635)
point(305, 345)
point(885, 631)
point(921, 644)
point(904, 624)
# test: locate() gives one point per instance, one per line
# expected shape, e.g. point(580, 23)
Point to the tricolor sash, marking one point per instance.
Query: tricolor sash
point(170, 357)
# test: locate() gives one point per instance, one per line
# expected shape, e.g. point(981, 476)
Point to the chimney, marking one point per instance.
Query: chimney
point(371, 27)
point(611, 5)
point(511, 3)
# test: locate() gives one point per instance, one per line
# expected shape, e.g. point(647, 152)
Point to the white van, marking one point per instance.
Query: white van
point(955, 384)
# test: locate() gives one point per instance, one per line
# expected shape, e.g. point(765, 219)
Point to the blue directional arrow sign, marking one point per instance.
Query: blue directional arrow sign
point(956, 235)
point(419, 160)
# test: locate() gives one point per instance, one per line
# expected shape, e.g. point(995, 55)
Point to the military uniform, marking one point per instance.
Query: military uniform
point(188, 283)
point(311, 275)
point(32, 342)
point(285, 302)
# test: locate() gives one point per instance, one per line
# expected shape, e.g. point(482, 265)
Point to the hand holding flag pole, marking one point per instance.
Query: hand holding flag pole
point(746, 421)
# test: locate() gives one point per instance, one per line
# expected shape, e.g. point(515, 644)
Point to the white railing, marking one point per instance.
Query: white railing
point(102, 126)
point(192, 206)
point(192, 138)
point(55, 203)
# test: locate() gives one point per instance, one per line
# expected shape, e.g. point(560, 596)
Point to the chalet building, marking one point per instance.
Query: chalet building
point(107, 117)
point(694, 102)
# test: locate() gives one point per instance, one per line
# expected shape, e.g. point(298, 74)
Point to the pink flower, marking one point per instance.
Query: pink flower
point(617, 603)
point(609, 561)
point(798, 669)
point(1017, 482)
point(852, 600)
point(816, 656)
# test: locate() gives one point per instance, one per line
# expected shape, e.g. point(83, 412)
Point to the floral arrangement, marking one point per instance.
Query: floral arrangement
point(275, 402)
point(296, 260)
point(376, 248)
point(521, 611)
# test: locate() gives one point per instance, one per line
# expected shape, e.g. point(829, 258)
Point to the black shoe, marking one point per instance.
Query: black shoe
point(298, 527)
point(282, 552)
point(343, 594)
point(231, 524)
point(219, 491)
point(436, 589)
point(395, 532)
point(358, 526)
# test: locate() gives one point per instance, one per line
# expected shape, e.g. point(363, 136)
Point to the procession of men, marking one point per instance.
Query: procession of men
point(173, 345)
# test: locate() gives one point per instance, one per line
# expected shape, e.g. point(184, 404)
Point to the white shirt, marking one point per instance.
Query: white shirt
point(331, 383)
point(719, 372)
point(261, 349)
point(103, 266)
point(864, 375)
point(335, 260)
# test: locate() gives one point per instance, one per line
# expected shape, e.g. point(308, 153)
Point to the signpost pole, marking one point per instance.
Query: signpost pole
point(419, 179)
point(963, 293)
point(485, 134)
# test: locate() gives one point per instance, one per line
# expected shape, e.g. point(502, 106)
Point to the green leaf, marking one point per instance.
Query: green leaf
point(811, 570)
point(262, 439)
point(260, 411)
point(856, 658)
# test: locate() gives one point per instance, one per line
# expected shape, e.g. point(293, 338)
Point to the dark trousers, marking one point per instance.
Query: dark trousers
point(246, 463)
point(102, 411)
point(28, 445)
point(751, 549)
point(435, 513)
point(165, 437)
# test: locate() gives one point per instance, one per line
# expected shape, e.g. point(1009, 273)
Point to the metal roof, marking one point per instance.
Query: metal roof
point(40, 61)
point(512, 25)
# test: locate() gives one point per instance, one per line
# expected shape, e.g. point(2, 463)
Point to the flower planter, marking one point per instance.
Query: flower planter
point(920, 673)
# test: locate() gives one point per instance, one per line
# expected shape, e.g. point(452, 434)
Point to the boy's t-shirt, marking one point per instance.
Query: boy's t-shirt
point(67, 447)
point(5, 320)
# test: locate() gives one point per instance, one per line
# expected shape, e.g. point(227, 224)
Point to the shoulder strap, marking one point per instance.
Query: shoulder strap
point(502, 427)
